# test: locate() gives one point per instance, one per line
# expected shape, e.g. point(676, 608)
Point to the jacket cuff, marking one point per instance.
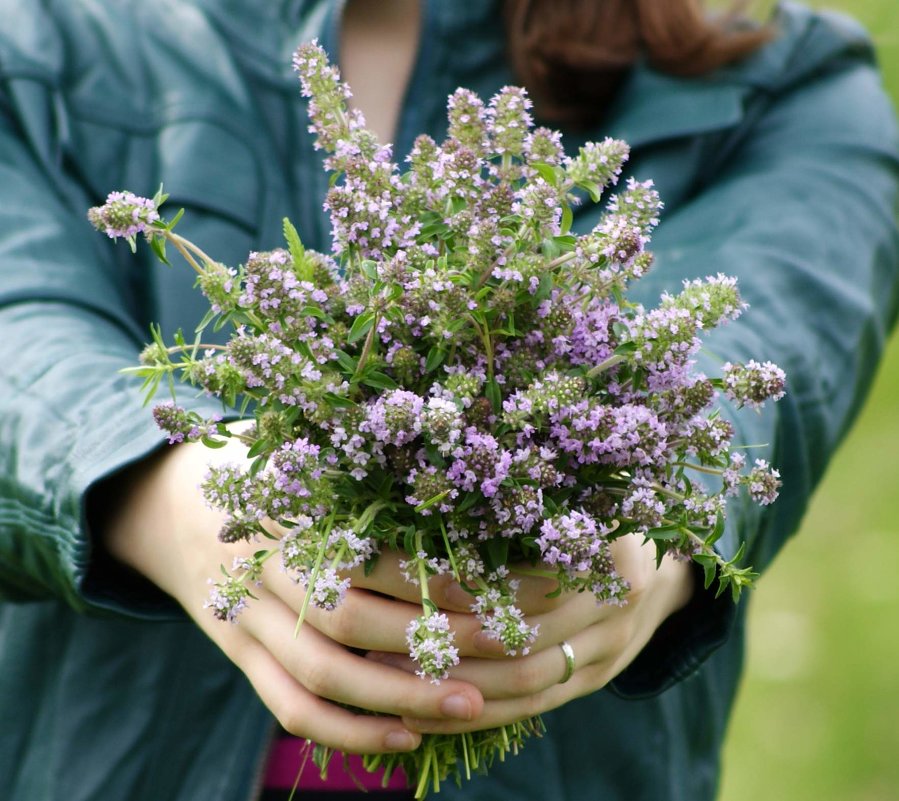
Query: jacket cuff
point(681, 644)
point(106, 585)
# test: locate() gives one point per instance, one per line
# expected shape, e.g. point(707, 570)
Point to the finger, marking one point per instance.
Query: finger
point(502, 712)
point(303, 714)
point(327, 669)
point(386, 577)
point(368, 621)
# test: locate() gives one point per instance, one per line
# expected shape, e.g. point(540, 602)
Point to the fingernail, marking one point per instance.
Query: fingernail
point(456, 706)
point(400, 741)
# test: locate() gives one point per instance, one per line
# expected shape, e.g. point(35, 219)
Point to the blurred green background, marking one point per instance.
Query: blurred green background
point(817, 718)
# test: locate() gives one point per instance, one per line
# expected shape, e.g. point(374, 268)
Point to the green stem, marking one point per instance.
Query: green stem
point(449, 551)
point(316, 569)
point(204, 345)
point(422, 576)
point(560, 260)
point(366, 349)
point(534, 571)
point(605, 365)
point(700, 468)
point(188, 250)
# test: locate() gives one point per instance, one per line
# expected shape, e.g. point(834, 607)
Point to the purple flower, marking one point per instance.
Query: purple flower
point(124, 215)
point(431, 646)
point(753, 383)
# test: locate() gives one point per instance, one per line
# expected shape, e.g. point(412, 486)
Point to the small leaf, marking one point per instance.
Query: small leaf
point(347, 363)
point(258, 447)
point(567, 218)
point(497, 552)
point(547, 172)
point(435, 358)
point(361, 326)
point(494, 395)
point(379, 380)
point(294, 244)
point(717, 531)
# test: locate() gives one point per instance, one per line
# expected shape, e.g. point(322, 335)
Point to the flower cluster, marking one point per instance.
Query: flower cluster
point(463, 377)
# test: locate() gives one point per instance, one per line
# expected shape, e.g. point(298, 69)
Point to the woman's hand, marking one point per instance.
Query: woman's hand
point(604, 639)
point(163, 529)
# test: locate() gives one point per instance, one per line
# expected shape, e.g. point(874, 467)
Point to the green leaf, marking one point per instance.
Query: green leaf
point(369, 269)
point(544, 288)
point(709, 566)
point(717, 531)
point(315, 311)
point(379, 380)
point(157, 245)
point(370, 563)
point(160, 197)
point(176, 219)
point(428, 604)
point(361, 326)
point(260, 446)
point(295, 246)
point(494, 395)
point(432, 501)
point(339, 401)
point(567, 218)
point(497, 552)
point(664, 533)
point(409, 540)
point(347, 363)
point(547, 172)
point(435, 358)
point(211, 442)
point(592, 188)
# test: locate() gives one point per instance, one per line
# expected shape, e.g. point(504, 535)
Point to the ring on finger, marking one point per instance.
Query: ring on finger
point(568, 652)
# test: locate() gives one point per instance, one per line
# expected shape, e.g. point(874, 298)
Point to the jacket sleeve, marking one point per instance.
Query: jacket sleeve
point(69, 315)
point(801, 209)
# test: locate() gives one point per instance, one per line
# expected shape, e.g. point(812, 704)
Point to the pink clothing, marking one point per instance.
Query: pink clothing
point(286, 761)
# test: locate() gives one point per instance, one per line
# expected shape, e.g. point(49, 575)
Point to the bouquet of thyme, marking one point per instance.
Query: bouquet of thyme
point(461, 378)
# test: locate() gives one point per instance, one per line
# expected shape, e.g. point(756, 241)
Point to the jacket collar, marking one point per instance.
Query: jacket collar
point(654, 107)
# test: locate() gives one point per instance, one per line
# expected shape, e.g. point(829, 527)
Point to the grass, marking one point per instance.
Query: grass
point(816, 719)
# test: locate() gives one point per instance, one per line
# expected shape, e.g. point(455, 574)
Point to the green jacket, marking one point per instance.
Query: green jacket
point(782, 171)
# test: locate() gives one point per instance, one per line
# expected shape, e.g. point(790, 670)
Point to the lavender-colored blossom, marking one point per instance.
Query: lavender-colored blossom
point(598, 164)
point(329, 589)
point(710, 302)
point(509, 120)
point(124, 214)
point(331, 120)
point(227, 599)
point(430, 643)
point(763, 482)
point(502, 620)
point(753, 383)
point(182, 425)
point(394, 418)
point(594, 433)
point(480, 462)
point(639, 204)
point(543, 145)
point(467, 120)
point(442, 423)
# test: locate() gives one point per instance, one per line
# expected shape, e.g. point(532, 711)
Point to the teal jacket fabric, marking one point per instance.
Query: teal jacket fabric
point(782, 170)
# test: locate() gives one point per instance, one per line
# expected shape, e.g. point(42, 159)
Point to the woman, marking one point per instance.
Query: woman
point(779, 168)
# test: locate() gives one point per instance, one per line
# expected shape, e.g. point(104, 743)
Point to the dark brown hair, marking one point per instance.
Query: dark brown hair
point(572, 55)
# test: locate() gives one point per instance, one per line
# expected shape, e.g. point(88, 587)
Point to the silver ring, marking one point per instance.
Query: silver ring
point(568, 651)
